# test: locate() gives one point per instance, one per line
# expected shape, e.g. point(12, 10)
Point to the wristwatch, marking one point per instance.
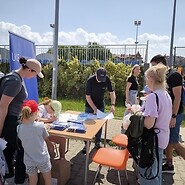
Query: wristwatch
point(174, 115)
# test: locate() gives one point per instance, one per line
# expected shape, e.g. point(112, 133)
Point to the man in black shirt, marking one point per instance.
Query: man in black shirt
point(174, 82)
point(96, 87)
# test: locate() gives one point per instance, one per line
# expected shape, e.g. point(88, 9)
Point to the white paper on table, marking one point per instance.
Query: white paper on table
point(66, 116)
point(3, 144)
point(102, 115)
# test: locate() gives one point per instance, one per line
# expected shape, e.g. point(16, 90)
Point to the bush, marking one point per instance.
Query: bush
point(72, 78)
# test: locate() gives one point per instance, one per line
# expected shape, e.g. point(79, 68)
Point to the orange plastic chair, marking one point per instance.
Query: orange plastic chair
point(112, 158)
point(120, 140)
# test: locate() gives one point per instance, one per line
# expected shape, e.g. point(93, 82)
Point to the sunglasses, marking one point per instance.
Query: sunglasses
point(32, 70)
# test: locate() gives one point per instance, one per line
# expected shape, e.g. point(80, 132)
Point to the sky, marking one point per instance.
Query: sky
point(102, 21)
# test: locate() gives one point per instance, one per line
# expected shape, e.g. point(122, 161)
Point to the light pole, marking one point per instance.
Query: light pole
point(137, 24)
point(53, 26)
point(172, 35)
point(55, 52)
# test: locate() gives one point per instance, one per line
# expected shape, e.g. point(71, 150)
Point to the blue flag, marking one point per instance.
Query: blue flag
point(21, 47)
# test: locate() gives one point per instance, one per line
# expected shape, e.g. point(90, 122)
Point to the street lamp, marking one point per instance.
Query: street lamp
point(137, 24)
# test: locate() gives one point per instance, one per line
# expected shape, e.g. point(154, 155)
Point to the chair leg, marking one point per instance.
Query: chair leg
point(97, 173)
point(126, 174)
point(119, 178)
point(67, 146)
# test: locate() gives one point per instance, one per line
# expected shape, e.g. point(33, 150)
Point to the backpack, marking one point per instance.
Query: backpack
point(142, 143)
point(1, 75)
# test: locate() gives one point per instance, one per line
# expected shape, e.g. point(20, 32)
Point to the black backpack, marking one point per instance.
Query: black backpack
point(142, 142)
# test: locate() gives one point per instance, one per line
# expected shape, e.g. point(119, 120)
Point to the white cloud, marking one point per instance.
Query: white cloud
point(157, 43)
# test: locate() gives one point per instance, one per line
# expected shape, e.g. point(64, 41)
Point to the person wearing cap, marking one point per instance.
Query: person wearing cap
point(49, 111)
point(132, 87)
point(175, 89)
point(96, 86)
point(33, 135)
point(13, 93)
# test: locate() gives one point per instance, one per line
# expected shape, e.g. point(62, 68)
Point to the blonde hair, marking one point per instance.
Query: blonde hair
point(26, 112)
point(158, 74)
point(46, 101)
point(132, 70)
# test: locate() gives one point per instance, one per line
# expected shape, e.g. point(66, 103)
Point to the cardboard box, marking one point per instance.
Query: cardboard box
point(60, 172)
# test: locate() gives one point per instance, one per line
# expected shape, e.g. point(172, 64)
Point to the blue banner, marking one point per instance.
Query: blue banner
point(21, 47)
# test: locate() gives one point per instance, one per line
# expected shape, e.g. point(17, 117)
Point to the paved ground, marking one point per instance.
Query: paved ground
point(110, 177)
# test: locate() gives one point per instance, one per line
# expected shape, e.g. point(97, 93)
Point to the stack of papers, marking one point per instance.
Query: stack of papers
point(75, 122)
point(75, 127)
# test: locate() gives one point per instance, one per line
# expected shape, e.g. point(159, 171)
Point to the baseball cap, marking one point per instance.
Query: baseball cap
point(56, 106)
point(159, 59)
point(146, 90)
point(101, 74)
point(32, 104)
point(36, 66)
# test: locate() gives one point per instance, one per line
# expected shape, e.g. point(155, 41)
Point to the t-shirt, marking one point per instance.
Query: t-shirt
point(97, 89)
point(11, 85)
point(32, 136)
point(174, 80)
point(43, 112)
point(134, 83)
point(163, 114)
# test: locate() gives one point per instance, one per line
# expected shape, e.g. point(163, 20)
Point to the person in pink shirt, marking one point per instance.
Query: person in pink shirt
point(156, 81)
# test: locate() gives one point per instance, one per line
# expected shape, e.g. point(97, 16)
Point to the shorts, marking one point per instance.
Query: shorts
point(174, 132)
point(43, 168)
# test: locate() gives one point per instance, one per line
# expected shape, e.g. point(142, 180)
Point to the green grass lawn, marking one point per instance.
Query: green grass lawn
point(79, 105)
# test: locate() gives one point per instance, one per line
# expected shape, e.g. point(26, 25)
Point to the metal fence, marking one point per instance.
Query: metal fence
point(87, 53)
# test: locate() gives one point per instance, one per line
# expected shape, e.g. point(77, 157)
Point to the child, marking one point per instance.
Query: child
point(33, 136)
point(49, 111)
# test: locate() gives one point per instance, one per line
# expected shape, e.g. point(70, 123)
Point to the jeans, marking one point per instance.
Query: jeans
point(132, 99)
point(14, 150)
point(158, 179)
point(174, 132)
point(98, 135)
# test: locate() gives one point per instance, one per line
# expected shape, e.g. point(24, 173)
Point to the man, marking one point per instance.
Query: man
point(174, 82)
point(96, 87)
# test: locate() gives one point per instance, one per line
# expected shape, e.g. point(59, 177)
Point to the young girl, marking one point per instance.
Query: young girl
point(49, 111)
point(155, 79)
point(34, 136)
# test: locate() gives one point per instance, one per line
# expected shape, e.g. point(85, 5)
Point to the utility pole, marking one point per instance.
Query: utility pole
point(55, 52)
point(171, 63)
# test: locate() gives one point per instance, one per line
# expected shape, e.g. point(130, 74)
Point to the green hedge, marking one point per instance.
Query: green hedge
point(72, 78)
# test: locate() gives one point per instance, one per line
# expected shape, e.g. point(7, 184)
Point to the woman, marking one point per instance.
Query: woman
point(33, 133)
point(132, 86)
point(49, 111)
point(155, 79)
point(13, 93)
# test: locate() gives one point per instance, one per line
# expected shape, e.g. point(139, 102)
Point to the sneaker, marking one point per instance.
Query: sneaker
point(167, 169)
point(97, 145)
